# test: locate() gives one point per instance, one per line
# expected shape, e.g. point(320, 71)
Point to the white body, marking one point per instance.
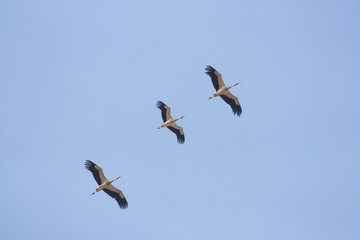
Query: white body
point(170, 122)
point(105, 184)
point(222, 90)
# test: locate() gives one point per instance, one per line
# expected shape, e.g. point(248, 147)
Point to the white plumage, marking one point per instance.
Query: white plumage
point(170, 122)
point(223, 91)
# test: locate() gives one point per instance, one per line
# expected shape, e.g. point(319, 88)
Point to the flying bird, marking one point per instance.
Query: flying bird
point(223, 91)
point(105, 184)
point(169, 122)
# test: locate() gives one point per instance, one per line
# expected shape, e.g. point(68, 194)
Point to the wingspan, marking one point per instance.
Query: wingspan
point(215, 76)
point(233, 102)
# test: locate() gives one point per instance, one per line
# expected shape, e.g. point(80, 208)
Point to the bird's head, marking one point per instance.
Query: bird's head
point(117, 177)
point(180, 118)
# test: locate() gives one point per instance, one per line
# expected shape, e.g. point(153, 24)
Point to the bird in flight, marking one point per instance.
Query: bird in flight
point(105, 184)
point(170, 123)
point(223, 91)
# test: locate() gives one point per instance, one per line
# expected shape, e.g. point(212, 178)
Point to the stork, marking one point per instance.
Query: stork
point(170, 122)
point(105, 184)
point(223, 91)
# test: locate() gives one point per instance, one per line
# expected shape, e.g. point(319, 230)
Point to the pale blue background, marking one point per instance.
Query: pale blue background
point(80, 79)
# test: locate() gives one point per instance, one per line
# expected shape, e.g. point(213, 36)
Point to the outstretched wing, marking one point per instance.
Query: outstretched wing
point(165, 110)
point(178, 131)
point(215, 77)
point(233, 102)
point(96, 171)
point(117, 194)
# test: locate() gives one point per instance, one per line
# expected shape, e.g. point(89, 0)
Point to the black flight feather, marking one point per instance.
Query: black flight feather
point(235, 108)
point(121, 201)
point(89, 165)
point(180, 138)
point(214, 78)
point(161, 106)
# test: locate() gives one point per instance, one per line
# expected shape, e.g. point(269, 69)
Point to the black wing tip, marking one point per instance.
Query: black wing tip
point(160, 104)
point(89, 164)
point(209, 70)
point(123, 204)
point(237, 111)
point(181, 139)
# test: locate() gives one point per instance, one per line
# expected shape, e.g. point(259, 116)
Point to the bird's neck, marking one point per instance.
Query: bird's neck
point(115, 179)
point(234, 85)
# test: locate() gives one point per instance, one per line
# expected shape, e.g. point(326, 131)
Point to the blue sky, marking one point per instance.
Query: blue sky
point(80, 79)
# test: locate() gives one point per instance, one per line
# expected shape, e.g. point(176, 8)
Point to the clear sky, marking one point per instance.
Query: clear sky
point(80, 79)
